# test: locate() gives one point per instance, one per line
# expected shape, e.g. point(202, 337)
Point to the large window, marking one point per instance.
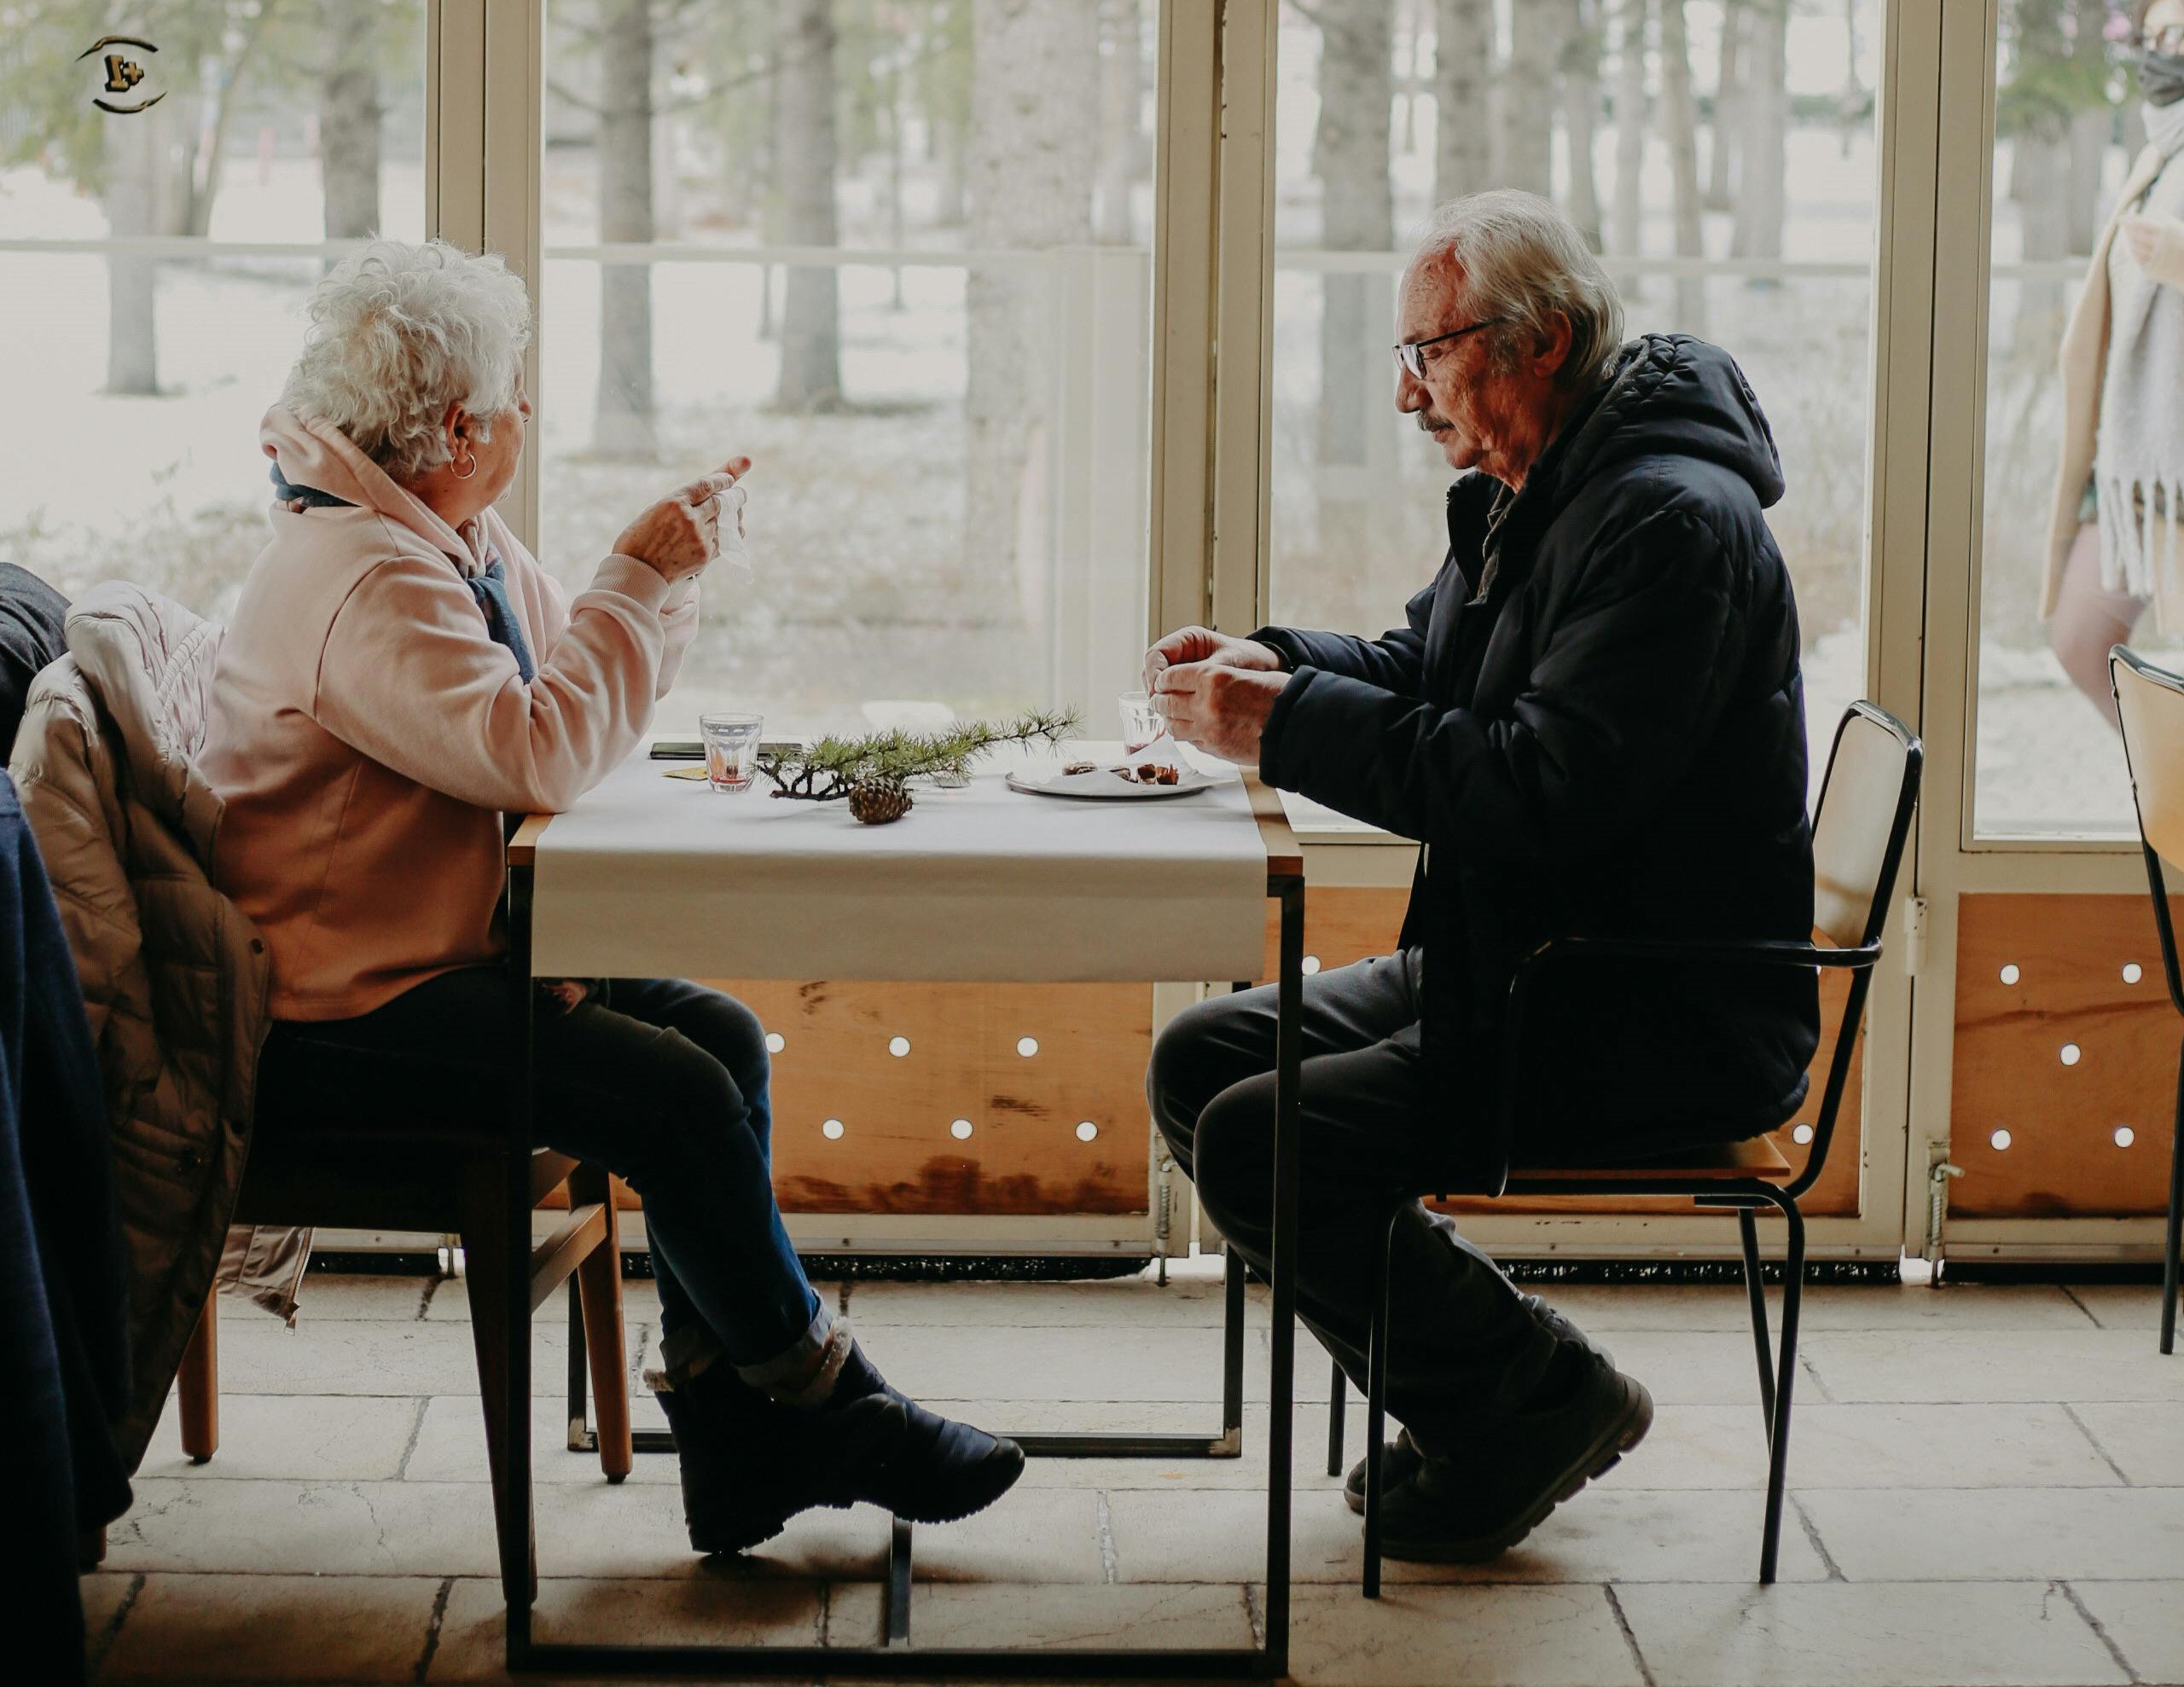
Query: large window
point(2067, 126)
point(897, 251)
point(153, 263)
point(1720, 155)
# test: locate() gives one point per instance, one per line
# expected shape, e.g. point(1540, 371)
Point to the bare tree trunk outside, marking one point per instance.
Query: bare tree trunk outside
point(1624, 230)
point(1463, 65)
point(1121, 91)
point(2090, 129)
point(812, 352)
point(1680, 129)
point(1728, 114)
point(1527, 155)
point(1580, 79)
point(1350, 152)
point(1029, 168)
point(1852, 103)
point(1765, 110)
point(622, 415)
point(349, 122)
point(133, 155)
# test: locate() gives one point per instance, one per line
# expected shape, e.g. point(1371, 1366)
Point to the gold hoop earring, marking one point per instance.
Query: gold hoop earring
point(474, 469)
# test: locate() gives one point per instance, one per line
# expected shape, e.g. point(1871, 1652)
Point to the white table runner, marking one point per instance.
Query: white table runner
point(651, 876)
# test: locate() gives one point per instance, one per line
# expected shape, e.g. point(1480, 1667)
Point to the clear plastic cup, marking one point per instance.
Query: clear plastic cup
point(731, 750)
point(1142, 721)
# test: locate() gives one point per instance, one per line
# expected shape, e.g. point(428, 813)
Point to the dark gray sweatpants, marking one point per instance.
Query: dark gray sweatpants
point(1466, 1345)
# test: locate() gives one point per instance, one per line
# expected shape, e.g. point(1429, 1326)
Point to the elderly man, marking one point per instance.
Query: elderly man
point(1594, 722)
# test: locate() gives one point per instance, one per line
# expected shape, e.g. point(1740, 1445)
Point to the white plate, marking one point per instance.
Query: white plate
point(1103, 785)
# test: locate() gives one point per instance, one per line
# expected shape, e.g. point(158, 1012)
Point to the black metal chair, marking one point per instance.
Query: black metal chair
point(1859, 831)
point(2150, 702)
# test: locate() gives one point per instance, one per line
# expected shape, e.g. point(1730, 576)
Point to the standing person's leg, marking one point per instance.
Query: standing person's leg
point(2089, 620)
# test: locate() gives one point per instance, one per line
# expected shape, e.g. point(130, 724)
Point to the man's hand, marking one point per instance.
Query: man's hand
point(1203, 644)
point(1219, 707)
point(680, 534)
point(2156, 246)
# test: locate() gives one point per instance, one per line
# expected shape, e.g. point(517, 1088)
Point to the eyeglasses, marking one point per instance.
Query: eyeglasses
point(1411, 354)
point(2170, 39)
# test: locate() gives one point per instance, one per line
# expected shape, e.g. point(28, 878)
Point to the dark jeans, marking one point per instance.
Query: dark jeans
point(1465, 1347)
point(661, 1082)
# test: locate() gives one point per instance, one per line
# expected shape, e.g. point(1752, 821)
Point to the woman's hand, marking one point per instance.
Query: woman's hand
point(2156, 246)
point(1203, 644)
point(680, 534)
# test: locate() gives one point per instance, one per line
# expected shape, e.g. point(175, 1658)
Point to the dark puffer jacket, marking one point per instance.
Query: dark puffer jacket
point(1611, 744)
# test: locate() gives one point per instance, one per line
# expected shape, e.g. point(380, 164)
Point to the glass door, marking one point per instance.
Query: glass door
point(2045, 1051)
point(1732, 161)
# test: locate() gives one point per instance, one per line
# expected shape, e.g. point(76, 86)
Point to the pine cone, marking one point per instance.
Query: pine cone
point(878, 800)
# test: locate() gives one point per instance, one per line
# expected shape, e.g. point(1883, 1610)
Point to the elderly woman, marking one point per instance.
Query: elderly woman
point(400, 675)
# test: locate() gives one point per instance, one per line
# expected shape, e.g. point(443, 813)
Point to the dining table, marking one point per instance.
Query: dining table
point(653, 873)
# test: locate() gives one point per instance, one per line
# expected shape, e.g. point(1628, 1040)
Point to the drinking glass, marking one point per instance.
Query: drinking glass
point(1142, 721)
point(731, 750)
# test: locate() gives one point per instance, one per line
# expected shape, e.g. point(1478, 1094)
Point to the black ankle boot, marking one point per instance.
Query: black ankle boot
point(940, 1469)
point(750, 1463)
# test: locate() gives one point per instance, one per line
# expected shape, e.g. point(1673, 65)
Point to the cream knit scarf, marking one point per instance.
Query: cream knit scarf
point(2139, 476)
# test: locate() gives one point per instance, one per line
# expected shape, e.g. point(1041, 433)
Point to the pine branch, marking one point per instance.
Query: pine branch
point(826, 771)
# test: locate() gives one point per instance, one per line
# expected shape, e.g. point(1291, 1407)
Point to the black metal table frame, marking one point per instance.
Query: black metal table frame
point(894, 1655)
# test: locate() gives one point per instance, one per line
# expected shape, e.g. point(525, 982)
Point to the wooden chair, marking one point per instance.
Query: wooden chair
point(2151, 704)
point(362, 1176)
point(1859, 829)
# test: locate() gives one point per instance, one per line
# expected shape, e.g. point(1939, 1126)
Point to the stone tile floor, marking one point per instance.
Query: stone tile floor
point(1987, 1488)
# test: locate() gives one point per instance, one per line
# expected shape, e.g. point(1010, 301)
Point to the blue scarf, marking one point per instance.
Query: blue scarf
point(490, 586)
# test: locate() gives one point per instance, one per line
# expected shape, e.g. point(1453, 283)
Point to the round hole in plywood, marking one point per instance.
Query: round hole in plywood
point(899, 1047)
point(775, 1042)
point(1027, 1046)
point(2070, 1054)
point(832, 1130)
point(1802, 1134)
point(2132, 972)
point(1311, 964)
point(2125, 1136)
point(1998, 1141)
point(961, 1130)
point(1086, 1130)
point(2010, 974)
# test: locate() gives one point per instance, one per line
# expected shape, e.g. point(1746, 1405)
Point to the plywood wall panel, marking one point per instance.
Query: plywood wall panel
point(2066, 990)
point(897, 1152)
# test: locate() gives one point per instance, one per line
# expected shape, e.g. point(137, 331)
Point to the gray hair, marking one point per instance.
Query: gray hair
point(1522, 260)
point(400, 332)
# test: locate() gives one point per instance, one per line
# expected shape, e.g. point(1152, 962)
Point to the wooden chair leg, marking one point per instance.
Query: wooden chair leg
point(599, 1284)
point(199, 1385)
point(484, 1258)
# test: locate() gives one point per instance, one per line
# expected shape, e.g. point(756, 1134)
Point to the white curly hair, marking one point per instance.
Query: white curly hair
point(398, 333)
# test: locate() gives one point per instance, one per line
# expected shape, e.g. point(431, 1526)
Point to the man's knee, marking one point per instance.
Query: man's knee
point(1234, 1171)
point(1183, 1074)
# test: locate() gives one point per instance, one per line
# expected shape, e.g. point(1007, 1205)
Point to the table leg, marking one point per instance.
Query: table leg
point(1287, 1131)
point(519, 1539)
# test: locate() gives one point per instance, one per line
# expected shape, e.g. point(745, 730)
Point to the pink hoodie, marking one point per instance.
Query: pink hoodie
point(367, 735)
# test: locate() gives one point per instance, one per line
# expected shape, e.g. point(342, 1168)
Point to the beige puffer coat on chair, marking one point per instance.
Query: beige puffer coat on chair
point(174, 978)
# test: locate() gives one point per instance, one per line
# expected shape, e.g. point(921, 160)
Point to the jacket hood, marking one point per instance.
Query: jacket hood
point(1671, 395)
point(314, 454)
